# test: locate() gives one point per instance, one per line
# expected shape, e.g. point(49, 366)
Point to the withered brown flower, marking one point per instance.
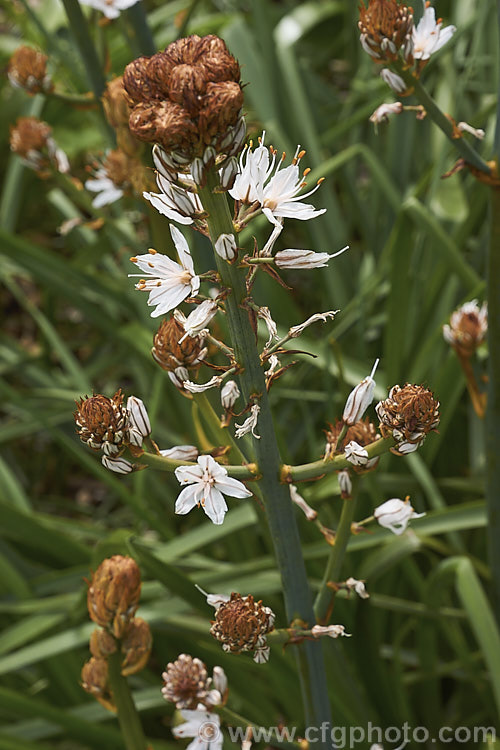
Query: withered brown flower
point(170, 354)
point(102, 422)
point(186, 682)
point(28, 70)
point(241, 624)
point(408, 415)
point(385, 26)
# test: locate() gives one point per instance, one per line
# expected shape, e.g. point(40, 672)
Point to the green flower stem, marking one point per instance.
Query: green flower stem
point(492, 420)
point(333, 568)
point(128, 718)
point(279, 510)
point(435, 113)
point(161, 463)
point(318, 468)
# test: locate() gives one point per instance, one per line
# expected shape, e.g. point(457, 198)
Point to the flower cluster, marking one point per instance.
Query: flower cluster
point(118, 174)
point(28, 70)
point(467, 328)
point(241, 624)
point(31, 139)
point(187, 684)
point(408, 415)
point(112, 600)
point(188, 99)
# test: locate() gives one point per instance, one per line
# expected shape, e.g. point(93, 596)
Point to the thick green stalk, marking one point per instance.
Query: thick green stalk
point(336, 558)
point(128, 718)
point(276, 496)
point(435, 113)
point(80, 31)
point(492, 420)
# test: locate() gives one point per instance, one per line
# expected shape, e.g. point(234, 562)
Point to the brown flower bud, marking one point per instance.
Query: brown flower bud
point(136, 646)
point(113, 593)
point(170, 354)
point(467, 328)
point(102, 422)
point(136, 81)
point(385, 27)
point(362, 432)
point(185, 50)
point(159, 68)
point(115, 103)
point(408, 415)
point(241, 624)
point(186, 682)
point(221, 107)
point(95, 681)
point(102, 644)
point(28, 70)
point(29, 135)
point(218, 63)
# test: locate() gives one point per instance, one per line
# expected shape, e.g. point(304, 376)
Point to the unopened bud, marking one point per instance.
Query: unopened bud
point(113, 593)
point(140, 426)
point(136, 646)
point(229, 394)
point(356, 454)
point(225, 246)
point(219, 681)
point(360, 399)
point(95, 681)
point(102, 644)
point(181, 453)
point(345, 483)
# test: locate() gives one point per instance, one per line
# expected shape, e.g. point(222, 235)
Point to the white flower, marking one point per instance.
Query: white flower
point(167, 282)
point(208, 483)
point(296, 498)
point(393, 80)
point(197, 321)
point(356, 454)
point(219, 680)
point(139, 424)
point(181, 453)
point(304, 258)
point(360, 398)
point(228, 395)
point(332, 631)
point(358, 586)
point(345, 483)
point(214, 382)
point(203, 726)
point(173, 201)
point(476, 132)
point(395, 514)
point(264, 314)
point(268, 247)
point(107, 191)
point(110, 8)
point(428, 36)
point(295, 331)
point(249, 424)
point(225, 246)
point(382, 113)
point(274, 363)
point(276, 190)
point(119, 465)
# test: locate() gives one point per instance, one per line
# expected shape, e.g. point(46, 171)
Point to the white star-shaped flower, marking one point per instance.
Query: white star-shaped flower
point(110, 8)
point(277, 190)
point(395, 514)
point(203, 726)
point(167, 282)
point(104, 187)
point(428, 36)
point(208, 483)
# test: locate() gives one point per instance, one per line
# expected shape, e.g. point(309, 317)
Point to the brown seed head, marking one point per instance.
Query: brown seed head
point(28, 70)
point(241, 624)
point(186, 682)
point(136, 646)
point(385, 26)
point(192, 113)
point(29, 135)
point(102, 422)
point(362, 432)
point(113, 593)
point(467, 328)
point(408, 413)
point(95, 681)
point(170, 354)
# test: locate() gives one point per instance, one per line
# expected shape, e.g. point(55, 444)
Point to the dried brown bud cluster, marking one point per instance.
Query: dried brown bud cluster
point(187, 98)
point(28, 70)
point(102, 422)
point(385, 26)
point(170, 354)
point(112, 599)
point(113, 594)
point(362, 432)
point(467, 328)
point(187, 684)
point(241, 624)
point(31, 139)
point(408, 414)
